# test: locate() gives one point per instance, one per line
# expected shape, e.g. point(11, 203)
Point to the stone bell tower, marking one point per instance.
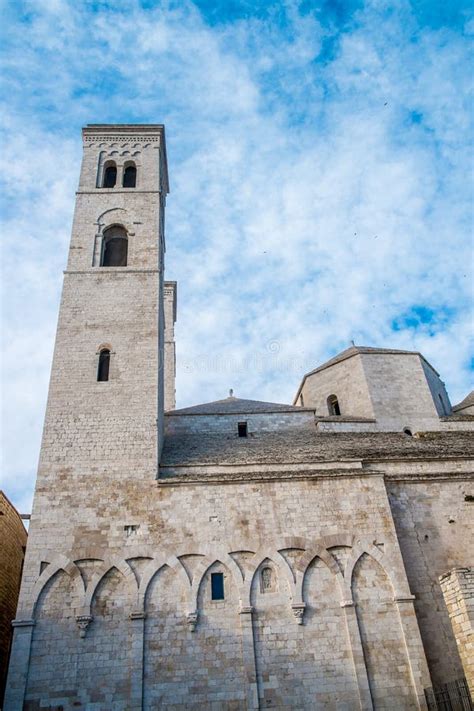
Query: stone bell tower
point(106, 397)
point(103, 429)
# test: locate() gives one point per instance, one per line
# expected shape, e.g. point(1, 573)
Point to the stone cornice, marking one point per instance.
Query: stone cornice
point(430, 476)
point(122, 129)
point(114, 191)
point(101, 271)
point(242, 473)
point(176, 476)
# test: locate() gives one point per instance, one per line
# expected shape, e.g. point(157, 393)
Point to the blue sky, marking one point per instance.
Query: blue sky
point(321, 188)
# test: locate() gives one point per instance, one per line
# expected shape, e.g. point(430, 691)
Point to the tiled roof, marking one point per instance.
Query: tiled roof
point(307, 445)
point(234, 405)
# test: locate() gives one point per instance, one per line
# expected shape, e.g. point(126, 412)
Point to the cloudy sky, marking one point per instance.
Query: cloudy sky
point(319, 157)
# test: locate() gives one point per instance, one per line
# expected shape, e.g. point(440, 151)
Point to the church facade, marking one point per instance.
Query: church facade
point(238, 554)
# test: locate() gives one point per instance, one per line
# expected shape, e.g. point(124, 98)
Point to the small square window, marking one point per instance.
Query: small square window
point(131, 529)
point(217, 586)
point(242, 429)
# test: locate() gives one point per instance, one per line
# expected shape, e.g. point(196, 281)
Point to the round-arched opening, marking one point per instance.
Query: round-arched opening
point(104, 365)
point(114, 247)
point(333, 405)
point(407, 431)
point(110, 175)
point(130, 176)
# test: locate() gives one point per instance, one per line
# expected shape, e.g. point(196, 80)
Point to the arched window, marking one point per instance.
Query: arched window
point(333, 405)
point(114, 247)
point(408, 431)
point(110, 175)
point(130, 176)
point(104, 365)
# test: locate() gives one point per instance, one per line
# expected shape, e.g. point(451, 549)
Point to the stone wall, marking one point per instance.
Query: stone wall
point(116, 610)
point(347, 381)
point(228, 424)
point(12, 552)
point(169, 347)
point(458, 592)
point(335, 567)
point(433, 521)
point(438, 389)
point(397, 390)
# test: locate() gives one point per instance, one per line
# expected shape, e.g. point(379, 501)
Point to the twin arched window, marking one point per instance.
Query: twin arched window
point(129, 176)
point(129, 179)
point(110, 175)
point(333, 405)
point(114, 247)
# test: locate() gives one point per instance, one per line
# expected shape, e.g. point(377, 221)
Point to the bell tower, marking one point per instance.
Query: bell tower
point(106, 397)
point(103, 429)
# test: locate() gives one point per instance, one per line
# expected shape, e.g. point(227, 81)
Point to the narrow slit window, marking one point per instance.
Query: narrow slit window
point(110, 176)
point(333, 405)
point(130, 176)
point(104, 366)
point(217, 586)
point(301, 400)
point(242, 429)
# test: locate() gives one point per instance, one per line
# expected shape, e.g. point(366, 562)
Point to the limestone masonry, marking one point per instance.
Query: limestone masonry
point(12, 553)
point(237, 554)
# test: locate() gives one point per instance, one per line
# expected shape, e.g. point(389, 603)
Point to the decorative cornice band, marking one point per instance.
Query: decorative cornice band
point(111, 270)
point(114, 191)
point(229, 477)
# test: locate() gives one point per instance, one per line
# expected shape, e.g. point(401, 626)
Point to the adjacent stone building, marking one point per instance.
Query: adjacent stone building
point(238, 554)
point(12, 553)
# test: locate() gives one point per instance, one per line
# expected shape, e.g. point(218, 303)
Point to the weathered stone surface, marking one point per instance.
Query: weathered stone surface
point(458, 592)
point(12, 552)
point(330, 543)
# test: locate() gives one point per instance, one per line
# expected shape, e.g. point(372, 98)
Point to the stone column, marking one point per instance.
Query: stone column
point(248, 653)
point(458, 592)
point(419, 671)
point(19, 664)
point(358, 659)
point(137, 661)
point(119, 182)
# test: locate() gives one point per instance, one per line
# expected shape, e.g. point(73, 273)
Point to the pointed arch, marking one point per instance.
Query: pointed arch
point(58, 564)
point(227, 562)
point(152, 569)
point(280, 563)
point(122, 566)
point(359, 549)
point(325, 557)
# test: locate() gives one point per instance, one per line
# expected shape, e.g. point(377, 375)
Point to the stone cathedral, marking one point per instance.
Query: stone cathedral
point(237, 554)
